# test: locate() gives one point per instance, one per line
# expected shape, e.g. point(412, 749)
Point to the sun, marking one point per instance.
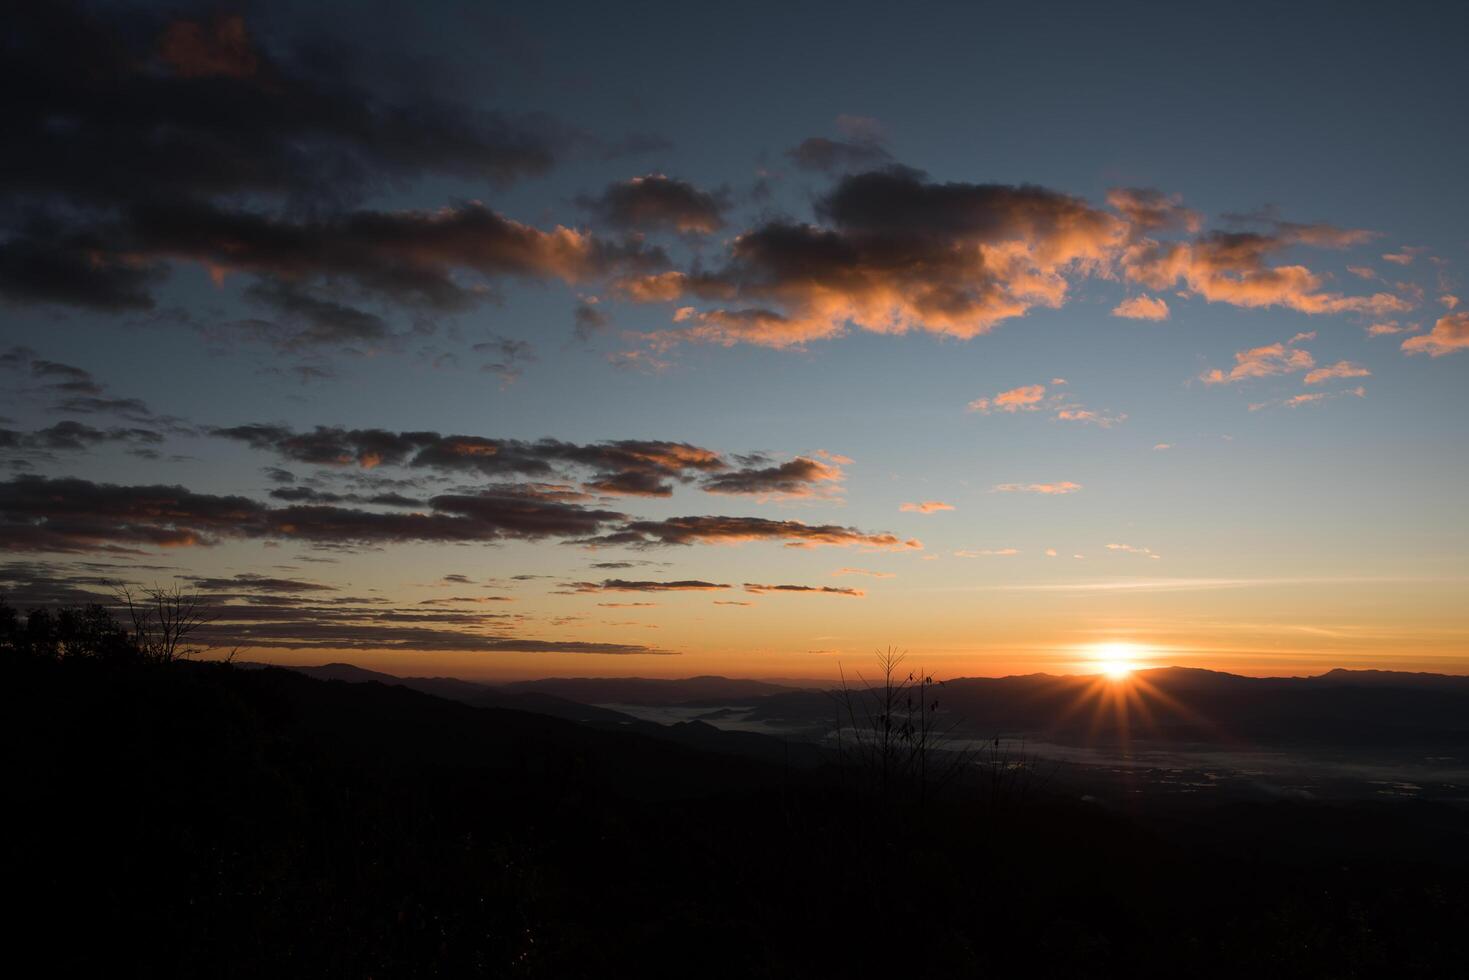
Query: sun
point(1116, 660)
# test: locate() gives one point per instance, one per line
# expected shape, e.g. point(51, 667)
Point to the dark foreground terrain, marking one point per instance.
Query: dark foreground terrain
point(195, 819)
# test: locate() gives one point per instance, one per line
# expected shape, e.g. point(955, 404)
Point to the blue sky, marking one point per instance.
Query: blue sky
point(1303, 171)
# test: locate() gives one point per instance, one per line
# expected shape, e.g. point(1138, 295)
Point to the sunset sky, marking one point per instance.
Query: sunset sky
point(675, 339)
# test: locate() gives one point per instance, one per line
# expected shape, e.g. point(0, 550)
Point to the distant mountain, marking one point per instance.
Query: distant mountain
point(1392, 678)
point(525, 698)
point(1341, 709)
point(649, 691)
point(442, 687)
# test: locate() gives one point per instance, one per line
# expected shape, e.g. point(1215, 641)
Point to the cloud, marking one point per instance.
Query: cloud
point(1311, 398)
point(1078, 414)
point(1449, 334)
point(248, 582)
point(861, 149)
point(1405, 255)
point(988, 553)
point(894, 252)
point(799, 477)
point(862, 571)
point(262, 619)
point(74, 436)
point(1162, 447)
point(1449, 301)
point(1035, 398)
point(625, 585)
point(71, 515)
point(737, 530)
point(1233, 268)
point(925, 507)
point(1387, 329)
point(627, 467)
point(1133, 550)
point(1141, 308)
point(1341, 369)
point(900, 253)
point(510, 355)
point(1150, 210)
point(1027, 398)
point(808, 589)
point(1266, 361)
point(251, 159)
point(658, 203)
point(1066, 486)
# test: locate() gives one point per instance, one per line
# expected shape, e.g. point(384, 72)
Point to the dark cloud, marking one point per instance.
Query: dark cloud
point(133, 142)
point(833, 156)
point(82, 392)
point(253, 611)
point(799, 477)
point(658, 203)
point(322, 320)
point(256, 583)
point(511, 357)
point(313, 634)
point(65, 377)
point(70, 515)
point(817, 589)
point(202, 108)
point(629, 467)
point(70, 436)
point(131, 408)
point(310, 495)
point(624, 585)
point(587, 320)
point(458, 579)
point(735, 530)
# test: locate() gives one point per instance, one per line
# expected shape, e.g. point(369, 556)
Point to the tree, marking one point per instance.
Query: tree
point(163, 620)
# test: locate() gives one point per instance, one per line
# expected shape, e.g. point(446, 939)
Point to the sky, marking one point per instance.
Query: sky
point(521, 340)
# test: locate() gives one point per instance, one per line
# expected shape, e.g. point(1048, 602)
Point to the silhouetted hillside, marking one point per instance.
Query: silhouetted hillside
point(202, 820)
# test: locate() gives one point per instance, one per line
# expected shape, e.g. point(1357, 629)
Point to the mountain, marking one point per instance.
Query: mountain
point(527, 699)
point(1341, 709)
point(649, 691)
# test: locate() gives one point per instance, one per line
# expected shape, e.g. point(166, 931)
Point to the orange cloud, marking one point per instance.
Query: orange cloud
point(1075, 413)
point(1066, 486)
point(926, 507)
point(1262, 362)
point(1231, 267)
point(1449, 301)
point(1141, 308)
point(1341, 369)
point(1027, 398)
point(1404, 256)
point(1384, 329)
point(862, 571)
point(1151, 210)
point(1134, 550)
point(1449, 334)
point(988, 553)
